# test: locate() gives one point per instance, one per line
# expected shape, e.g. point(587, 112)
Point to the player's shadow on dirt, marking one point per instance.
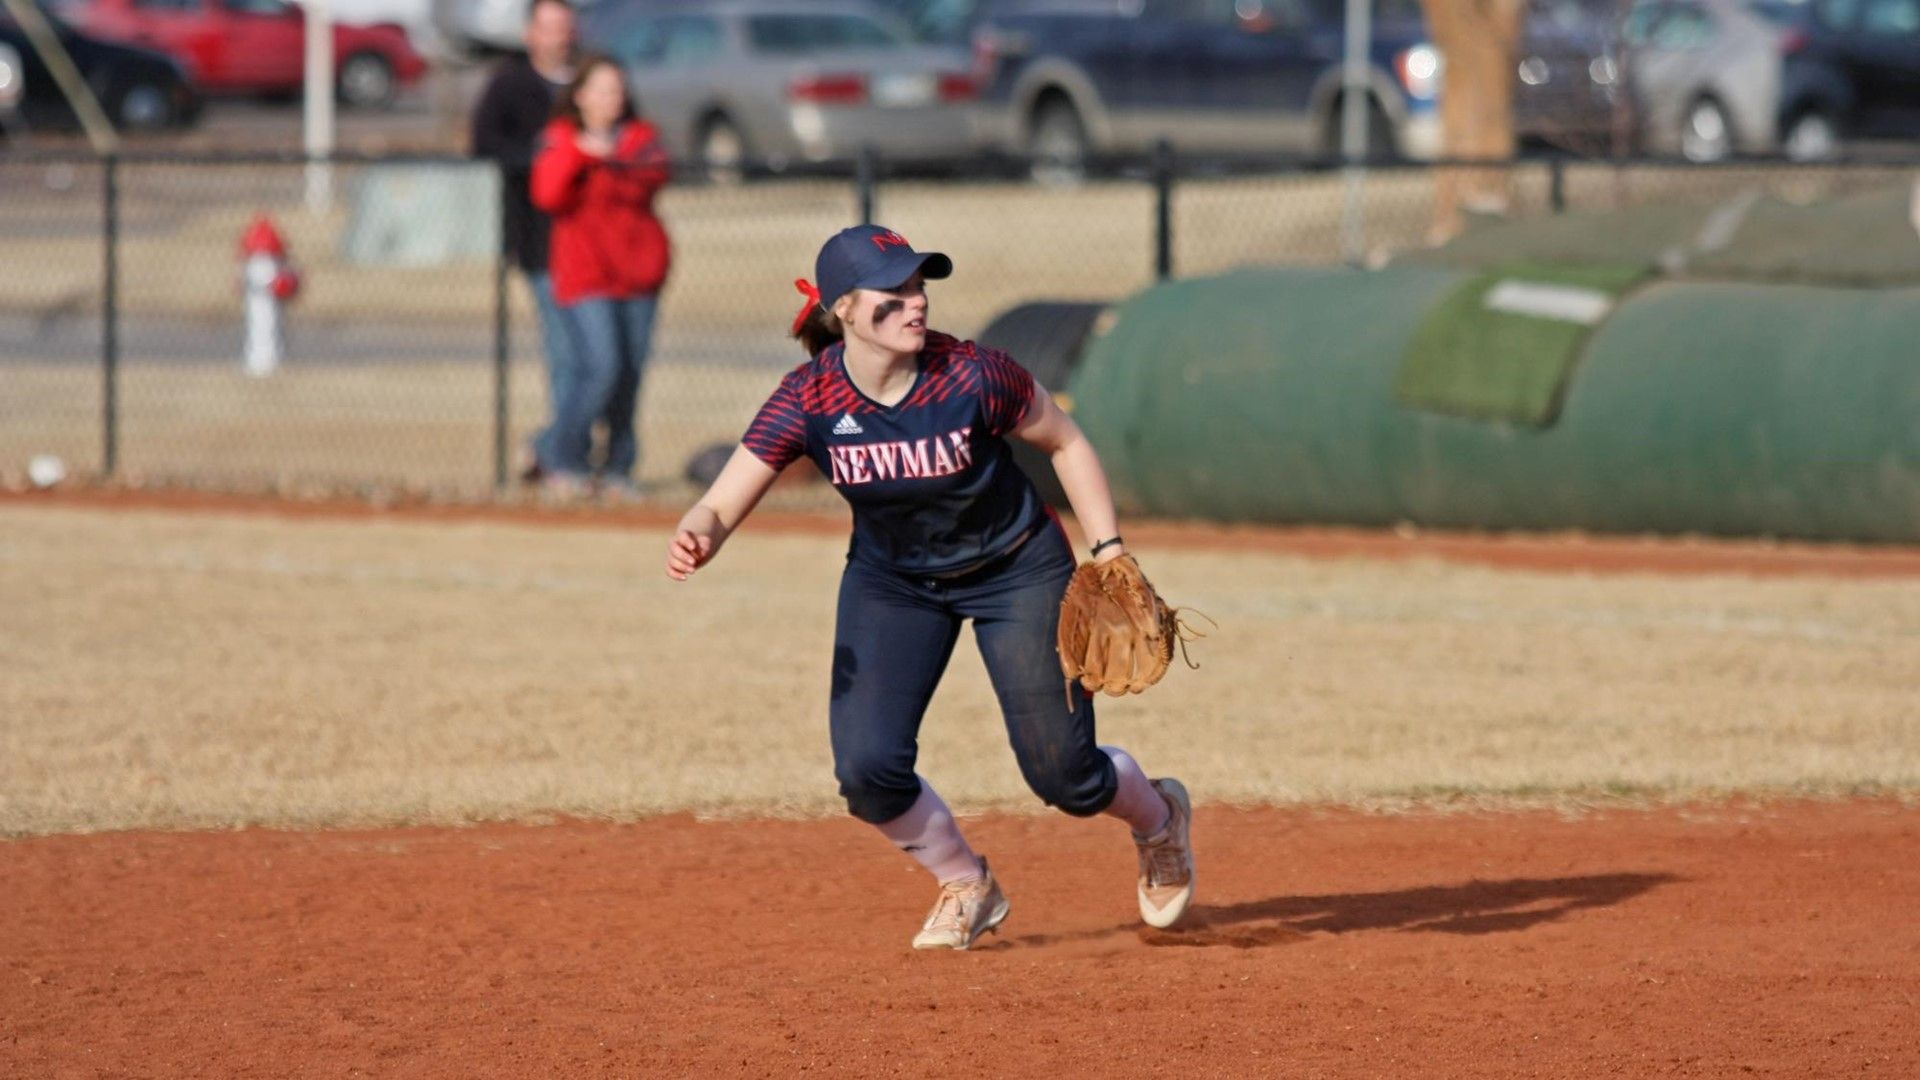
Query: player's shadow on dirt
point(1477, 907)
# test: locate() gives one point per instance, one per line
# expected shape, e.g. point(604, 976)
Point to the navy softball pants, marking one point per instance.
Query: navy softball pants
point(892, 640)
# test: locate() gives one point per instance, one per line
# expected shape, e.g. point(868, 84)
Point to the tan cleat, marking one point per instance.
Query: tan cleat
point(965, 910)
point(1166, 864)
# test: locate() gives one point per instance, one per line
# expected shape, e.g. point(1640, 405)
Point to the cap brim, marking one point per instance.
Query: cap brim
point(902, 265)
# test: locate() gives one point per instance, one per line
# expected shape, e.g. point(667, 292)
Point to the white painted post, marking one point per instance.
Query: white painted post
point(317, 112)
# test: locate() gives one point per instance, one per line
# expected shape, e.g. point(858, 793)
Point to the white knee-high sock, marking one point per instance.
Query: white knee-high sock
point(1137, 802)
point(928, 832)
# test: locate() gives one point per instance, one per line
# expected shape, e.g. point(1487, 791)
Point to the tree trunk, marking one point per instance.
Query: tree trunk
point(1480, 40)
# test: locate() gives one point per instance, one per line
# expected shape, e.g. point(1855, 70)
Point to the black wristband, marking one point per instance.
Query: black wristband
point(1104, 545)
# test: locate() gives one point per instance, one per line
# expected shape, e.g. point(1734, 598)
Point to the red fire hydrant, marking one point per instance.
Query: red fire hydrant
point(268, 280)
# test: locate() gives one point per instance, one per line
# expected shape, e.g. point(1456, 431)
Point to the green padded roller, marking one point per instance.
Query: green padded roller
point(1268, 395)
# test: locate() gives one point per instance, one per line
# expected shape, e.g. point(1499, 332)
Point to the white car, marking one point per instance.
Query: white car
point(1706, 76)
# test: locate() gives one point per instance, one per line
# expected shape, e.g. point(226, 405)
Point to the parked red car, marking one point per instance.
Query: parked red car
point(257, 46)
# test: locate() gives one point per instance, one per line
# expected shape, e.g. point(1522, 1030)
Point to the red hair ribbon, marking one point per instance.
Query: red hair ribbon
point(812, 293)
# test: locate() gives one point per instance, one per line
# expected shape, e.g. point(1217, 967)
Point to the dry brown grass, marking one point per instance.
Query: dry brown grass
point(426, 426)
point(174, 671)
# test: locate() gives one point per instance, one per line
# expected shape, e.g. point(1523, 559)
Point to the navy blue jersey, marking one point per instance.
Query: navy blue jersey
point(931, 480)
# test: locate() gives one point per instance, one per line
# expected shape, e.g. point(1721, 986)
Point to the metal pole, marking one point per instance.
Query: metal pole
point(110, 318)
point(1163, 210)
point(1354, 104)
point(866, 178)
point(1557, 185)
point(501, 372)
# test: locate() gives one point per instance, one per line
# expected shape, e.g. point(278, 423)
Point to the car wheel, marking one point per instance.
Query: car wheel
point(1383, 140)
point(1706, 134)
point(724, 151)
point(367, 81)
point(1057, 144)
point(1383, 143)
point(1813, 136)
point(144, 106)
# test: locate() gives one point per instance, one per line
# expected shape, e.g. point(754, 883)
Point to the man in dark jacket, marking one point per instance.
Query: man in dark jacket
point(513, 111)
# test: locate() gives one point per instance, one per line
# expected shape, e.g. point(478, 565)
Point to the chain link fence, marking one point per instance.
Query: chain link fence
point(52, 270)
point(412, 358)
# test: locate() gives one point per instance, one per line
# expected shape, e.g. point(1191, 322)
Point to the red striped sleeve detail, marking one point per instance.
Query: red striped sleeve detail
point(778, 434)
point(1006, 390)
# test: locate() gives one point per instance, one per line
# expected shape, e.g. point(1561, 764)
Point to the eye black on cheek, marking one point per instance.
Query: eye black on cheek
point(886, 309)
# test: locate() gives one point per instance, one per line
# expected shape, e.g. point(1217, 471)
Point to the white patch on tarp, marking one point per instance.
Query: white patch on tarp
point(1566, 303)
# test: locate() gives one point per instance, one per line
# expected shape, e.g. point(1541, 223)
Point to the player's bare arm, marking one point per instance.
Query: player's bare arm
point(706, 526)
point(1050, 430)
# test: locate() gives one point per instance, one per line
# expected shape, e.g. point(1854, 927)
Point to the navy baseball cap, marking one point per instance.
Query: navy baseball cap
point(871, 257)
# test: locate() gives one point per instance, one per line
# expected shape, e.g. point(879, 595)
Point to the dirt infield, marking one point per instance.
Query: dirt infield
point(1602, 861)
point(1723, 941)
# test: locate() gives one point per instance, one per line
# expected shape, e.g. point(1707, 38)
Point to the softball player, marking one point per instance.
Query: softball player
point(911, 426)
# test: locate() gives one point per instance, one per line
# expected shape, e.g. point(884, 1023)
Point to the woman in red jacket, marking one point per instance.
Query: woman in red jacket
point(597, 172)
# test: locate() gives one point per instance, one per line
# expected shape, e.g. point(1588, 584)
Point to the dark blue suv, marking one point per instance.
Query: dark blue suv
point(1066, 79)
point(1851, 71)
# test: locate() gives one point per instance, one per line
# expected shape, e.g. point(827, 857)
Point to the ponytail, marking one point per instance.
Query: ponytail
point(815, 327)
point(818, 330)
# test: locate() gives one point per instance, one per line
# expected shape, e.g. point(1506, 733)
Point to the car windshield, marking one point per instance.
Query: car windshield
point(937, 20)
point(1783, 12)
point(1572, 16)
point(268, 8)
point(1334, 12)
point(1675, 26)
point(1891, 18)
point(810, 33)
point(674, 41)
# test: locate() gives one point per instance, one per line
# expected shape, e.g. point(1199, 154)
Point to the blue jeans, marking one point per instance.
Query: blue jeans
point(892, 640)
point(562, 355)
point(611, 338)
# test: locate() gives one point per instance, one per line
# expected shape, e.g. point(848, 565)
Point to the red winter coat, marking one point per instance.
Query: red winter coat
point(606, 241)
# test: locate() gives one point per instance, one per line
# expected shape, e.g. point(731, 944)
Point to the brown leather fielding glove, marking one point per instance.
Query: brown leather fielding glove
point(1116, 634)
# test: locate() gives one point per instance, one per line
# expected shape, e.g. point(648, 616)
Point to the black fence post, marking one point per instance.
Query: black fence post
point(501, 346)
point(1163, 210)
point(1557, 185)
point(866, 178)
point(110, 317)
